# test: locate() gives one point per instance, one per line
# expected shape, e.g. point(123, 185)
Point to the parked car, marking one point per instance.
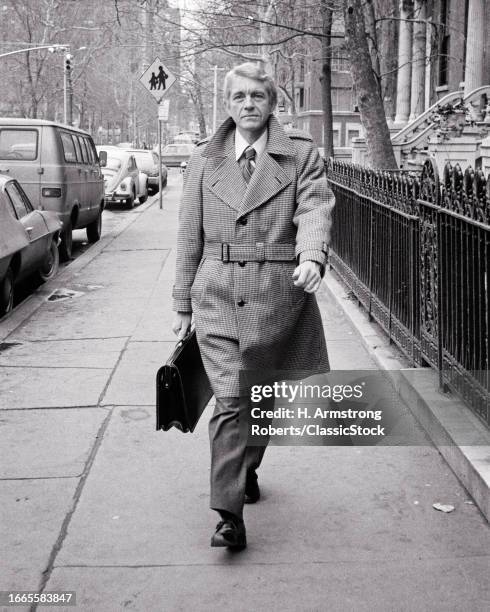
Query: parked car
point(147, 162)
point(175, 155)
point(58, 169)
point(123, 180)
point(192, 137)
point(28, 241)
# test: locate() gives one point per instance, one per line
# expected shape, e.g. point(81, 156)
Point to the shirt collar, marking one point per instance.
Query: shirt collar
point(241, 144)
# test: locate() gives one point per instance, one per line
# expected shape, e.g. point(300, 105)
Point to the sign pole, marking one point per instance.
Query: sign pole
point(158, 79)
point(160, 162)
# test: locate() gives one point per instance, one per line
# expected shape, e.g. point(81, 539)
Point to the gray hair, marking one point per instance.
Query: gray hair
point(253, 71)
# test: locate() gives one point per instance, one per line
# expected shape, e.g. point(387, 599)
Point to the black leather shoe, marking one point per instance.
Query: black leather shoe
point(252, 491)
point(230, 533)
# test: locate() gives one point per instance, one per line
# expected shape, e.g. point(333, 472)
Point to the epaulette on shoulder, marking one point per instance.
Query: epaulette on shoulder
point(299, 135)
point(202, 142)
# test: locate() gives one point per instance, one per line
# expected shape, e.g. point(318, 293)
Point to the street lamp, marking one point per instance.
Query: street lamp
point(50, 48)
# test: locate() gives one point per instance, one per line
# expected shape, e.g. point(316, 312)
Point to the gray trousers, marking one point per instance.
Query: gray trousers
point(231, 457)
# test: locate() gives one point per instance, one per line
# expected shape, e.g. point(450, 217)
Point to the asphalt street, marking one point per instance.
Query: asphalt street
point(94, 500)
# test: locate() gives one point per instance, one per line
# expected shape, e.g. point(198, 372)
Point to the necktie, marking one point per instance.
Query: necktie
point(247, 163)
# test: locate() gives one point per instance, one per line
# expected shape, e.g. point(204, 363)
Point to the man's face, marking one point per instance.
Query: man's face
point(249, 105)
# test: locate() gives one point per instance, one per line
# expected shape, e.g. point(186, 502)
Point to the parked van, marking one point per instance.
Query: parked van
point(58, 168)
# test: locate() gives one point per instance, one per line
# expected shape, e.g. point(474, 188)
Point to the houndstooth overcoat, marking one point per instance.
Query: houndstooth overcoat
point(250, 315)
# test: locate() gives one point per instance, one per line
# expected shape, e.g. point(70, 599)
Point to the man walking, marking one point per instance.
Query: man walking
point(252, 243)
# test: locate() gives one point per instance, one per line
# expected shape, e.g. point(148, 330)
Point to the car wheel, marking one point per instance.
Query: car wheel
point(130, 201)
point(66, 244)
point(94, 229)
point(50, 266)
point(143, 198)
point(7, 293)
point(164, 182)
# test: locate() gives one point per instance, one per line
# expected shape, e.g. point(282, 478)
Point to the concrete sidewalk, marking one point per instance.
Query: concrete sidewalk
point(94, 500)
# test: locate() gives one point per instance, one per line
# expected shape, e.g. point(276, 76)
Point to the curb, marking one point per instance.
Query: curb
point(459, 436)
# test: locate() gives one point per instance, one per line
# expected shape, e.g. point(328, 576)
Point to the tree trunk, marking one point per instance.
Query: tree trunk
point(372, 39)
point(387, 36)
point(196, 97)
point(326, 78)
point(380, 150)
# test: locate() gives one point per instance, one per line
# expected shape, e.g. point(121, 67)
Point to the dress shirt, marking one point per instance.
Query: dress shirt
point(241, 144)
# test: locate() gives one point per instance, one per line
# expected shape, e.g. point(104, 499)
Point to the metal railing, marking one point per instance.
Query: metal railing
point(415, 252)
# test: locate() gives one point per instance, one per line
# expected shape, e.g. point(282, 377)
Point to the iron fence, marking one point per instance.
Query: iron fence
point(414, 250)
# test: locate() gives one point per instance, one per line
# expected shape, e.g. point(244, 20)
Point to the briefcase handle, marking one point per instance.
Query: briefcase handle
point(190, 329)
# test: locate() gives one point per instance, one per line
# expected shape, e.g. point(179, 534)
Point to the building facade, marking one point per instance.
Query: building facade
point(443, 48)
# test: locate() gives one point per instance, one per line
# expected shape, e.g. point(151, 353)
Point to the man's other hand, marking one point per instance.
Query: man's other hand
point(307, 276)
point(182, 323)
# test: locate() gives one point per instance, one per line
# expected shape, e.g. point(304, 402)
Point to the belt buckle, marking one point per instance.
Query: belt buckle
point(260, 251)
point(225, 252)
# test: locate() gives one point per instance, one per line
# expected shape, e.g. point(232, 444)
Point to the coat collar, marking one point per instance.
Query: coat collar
point(269, 178)
point(222, 142)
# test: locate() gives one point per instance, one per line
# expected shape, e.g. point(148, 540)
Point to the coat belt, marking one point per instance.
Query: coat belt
point(260, 251)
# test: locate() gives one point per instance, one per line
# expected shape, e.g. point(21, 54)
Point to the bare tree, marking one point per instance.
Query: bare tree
point(371, 108)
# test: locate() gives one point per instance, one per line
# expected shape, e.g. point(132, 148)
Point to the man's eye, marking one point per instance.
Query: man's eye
point(258, 95)
point(238, 97)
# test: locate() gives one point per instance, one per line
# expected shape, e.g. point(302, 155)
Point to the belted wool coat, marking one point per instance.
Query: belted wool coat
point(248, 314)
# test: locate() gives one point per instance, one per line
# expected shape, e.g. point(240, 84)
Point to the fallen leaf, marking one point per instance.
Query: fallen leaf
point(443, 507)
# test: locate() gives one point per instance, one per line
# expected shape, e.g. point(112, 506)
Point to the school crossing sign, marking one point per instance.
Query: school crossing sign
point(157, 79)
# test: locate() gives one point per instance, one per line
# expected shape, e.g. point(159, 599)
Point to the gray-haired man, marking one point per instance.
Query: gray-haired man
point(253, 235)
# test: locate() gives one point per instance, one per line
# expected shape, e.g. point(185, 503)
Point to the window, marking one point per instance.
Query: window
point(350, 135)
point(6, 203)
point(443, 44)
point(22, 208)
point(91, 148)
point(301, 97)
point(85, 156)
point(88, 148)
point(339, 60)
point(77, 148)
point(68, 147)
point(18, 144)
point(301, 69)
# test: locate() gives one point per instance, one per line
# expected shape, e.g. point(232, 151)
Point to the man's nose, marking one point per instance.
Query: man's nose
point(249, 103)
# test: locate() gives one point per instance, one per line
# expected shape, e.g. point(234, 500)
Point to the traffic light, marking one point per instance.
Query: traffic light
point(68, 58)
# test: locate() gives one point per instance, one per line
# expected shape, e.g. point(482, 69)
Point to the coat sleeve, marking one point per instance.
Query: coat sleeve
point(190, 234)
point(314, 204)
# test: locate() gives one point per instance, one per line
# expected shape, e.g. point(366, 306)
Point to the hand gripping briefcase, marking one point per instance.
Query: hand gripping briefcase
point(183, 389)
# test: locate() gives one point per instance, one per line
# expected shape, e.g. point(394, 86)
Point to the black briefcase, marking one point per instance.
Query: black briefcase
point(183, 389)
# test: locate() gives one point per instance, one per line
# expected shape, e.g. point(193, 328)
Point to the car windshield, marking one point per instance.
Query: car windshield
point(143, 158)
point(176, 149)
point(113, 163)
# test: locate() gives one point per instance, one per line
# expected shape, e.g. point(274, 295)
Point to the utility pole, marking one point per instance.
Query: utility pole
point(215, 98)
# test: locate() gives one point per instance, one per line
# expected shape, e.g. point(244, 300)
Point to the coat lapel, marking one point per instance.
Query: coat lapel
point(267, 181)
point(226, 181)
point(269, 178)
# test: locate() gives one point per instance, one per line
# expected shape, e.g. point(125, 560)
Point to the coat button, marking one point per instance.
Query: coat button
point(242, 263)
point(241, 302)
point(243, 221)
